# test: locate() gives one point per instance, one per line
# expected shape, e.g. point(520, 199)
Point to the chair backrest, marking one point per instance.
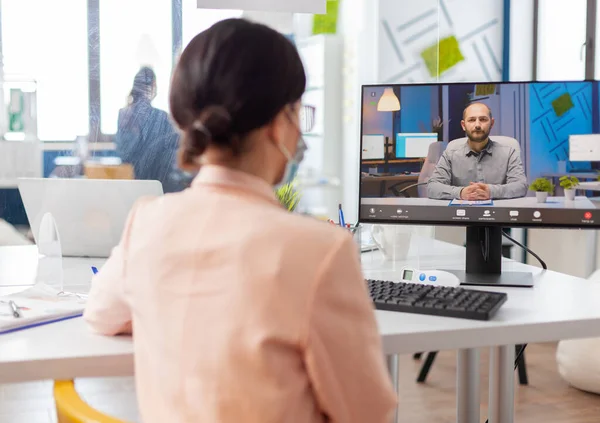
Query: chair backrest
point(70, 408)
point(99, 171)
point(435, 151)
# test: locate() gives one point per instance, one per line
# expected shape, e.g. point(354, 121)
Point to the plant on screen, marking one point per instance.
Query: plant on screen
point(568, 182)
point(542, 185)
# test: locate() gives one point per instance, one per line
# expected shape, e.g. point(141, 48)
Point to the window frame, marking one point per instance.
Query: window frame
point(589, 41)
point(94, 79)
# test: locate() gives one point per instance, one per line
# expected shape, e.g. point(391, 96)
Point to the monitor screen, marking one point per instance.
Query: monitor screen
point(413, 145)
point(373, 146)
point(584, 148)
point(482, 154)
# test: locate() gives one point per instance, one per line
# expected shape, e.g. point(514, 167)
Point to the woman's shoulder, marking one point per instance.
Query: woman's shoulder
point(307, 230)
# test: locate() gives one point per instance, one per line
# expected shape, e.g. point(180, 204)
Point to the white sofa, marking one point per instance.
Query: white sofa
point(578, 360)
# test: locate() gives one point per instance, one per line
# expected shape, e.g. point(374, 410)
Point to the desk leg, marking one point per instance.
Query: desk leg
point(502, 384)
point(392, 364)
point(467, 386)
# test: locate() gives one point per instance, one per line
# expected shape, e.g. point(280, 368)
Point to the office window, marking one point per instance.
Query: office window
point(133, 33)
point(47, 41)
point(196, 20)
point(561, 34)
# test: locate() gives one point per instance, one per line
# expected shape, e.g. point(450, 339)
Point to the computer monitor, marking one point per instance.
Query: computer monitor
point(536, 130)
point(373, 147)
point(584, 148)
point(413, 145)
point(90, 214)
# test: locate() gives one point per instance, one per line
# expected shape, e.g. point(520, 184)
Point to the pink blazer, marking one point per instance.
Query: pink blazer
point(242, 311)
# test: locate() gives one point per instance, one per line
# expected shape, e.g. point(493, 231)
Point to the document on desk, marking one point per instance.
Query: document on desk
point(36, 306)
point(457, 202)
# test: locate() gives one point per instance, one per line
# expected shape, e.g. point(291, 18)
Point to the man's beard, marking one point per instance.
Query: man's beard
point(477, 136)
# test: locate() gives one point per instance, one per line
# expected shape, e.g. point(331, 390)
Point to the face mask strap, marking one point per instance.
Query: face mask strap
point(285, 152)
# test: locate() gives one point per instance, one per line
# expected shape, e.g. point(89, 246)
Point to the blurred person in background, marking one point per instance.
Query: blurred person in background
point(146, 138)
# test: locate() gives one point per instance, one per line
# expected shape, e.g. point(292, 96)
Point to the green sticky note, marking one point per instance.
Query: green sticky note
point(562, 104)
point(327, 23)
point(449, 55)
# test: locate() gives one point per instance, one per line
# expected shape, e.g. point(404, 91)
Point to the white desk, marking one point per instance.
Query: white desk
point(558, 307)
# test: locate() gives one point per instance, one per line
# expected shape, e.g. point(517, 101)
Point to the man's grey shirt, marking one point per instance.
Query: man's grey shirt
point(497, 165)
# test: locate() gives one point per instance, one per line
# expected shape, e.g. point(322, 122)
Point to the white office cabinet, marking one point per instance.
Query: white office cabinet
point(320, 172)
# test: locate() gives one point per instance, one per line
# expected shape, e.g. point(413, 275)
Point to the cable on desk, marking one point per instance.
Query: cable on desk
point(485, 244)
point(526, 249)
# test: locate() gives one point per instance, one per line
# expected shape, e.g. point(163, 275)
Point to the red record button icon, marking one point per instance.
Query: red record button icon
point(587, 215)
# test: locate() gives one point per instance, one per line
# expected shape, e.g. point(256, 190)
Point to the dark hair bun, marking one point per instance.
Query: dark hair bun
point(213, 125)
point(216, 122)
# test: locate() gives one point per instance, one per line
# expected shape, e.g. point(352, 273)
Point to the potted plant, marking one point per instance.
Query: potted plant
point(288, 196)
point(569, 183)
point(542, 187)
point(437, 127)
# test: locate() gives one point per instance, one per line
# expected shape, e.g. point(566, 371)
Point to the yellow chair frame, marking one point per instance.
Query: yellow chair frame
point(71, 408)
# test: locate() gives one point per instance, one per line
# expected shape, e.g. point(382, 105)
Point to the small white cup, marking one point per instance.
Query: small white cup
point(392, 240)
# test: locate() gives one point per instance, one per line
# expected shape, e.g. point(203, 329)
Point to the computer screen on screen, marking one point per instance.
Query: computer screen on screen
point(468, 153)
point(413, 145)
point(584, 148)
point(373, 146)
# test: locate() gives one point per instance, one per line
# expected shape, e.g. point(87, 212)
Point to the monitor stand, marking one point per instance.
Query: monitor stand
point(483, 265)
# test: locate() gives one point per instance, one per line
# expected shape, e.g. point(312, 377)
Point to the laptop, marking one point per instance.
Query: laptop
point(90, 214)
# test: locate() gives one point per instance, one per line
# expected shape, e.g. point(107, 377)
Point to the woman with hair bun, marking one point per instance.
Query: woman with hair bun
point(240, 310)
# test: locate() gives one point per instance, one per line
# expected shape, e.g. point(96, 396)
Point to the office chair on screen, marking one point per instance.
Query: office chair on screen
point(430, 358)
point(434, 153)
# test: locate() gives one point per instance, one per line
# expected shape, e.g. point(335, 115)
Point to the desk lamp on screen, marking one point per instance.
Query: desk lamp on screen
point(482, 182)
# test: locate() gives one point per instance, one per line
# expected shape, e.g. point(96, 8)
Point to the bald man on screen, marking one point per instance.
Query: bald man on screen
point(480, 168)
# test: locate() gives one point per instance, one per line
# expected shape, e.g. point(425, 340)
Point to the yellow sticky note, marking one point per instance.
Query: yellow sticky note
point(485, 89)
point(327, 24)
point(449, 55)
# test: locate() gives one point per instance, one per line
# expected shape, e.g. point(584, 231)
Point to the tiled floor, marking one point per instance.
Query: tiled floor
point(32, 402)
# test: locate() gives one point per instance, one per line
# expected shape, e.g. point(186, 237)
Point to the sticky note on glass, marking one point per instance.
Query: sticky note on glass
point(485, 89)
point(562, 104)
point(449, 55)
point(327, 23)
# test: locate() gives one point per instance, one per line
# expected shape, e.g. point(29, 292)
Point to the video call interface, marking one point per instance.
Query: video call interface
point(470, 153)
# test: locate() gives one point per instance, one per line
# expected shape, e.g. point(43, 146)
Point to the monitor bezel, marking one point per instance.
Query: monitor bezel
point(530, 225)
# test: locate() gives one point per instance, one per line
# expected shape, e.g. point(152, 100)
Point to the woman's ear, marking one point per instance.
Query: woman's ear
point(276, 129)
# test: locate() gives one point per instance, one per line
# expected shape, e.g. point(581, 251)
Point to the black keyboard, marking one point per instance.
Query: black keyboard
point(435, 300)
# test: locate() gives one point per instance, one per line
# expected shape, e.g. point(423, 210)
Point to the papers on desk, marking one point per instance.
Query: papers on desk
point(39, 305)
point(457, 202)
